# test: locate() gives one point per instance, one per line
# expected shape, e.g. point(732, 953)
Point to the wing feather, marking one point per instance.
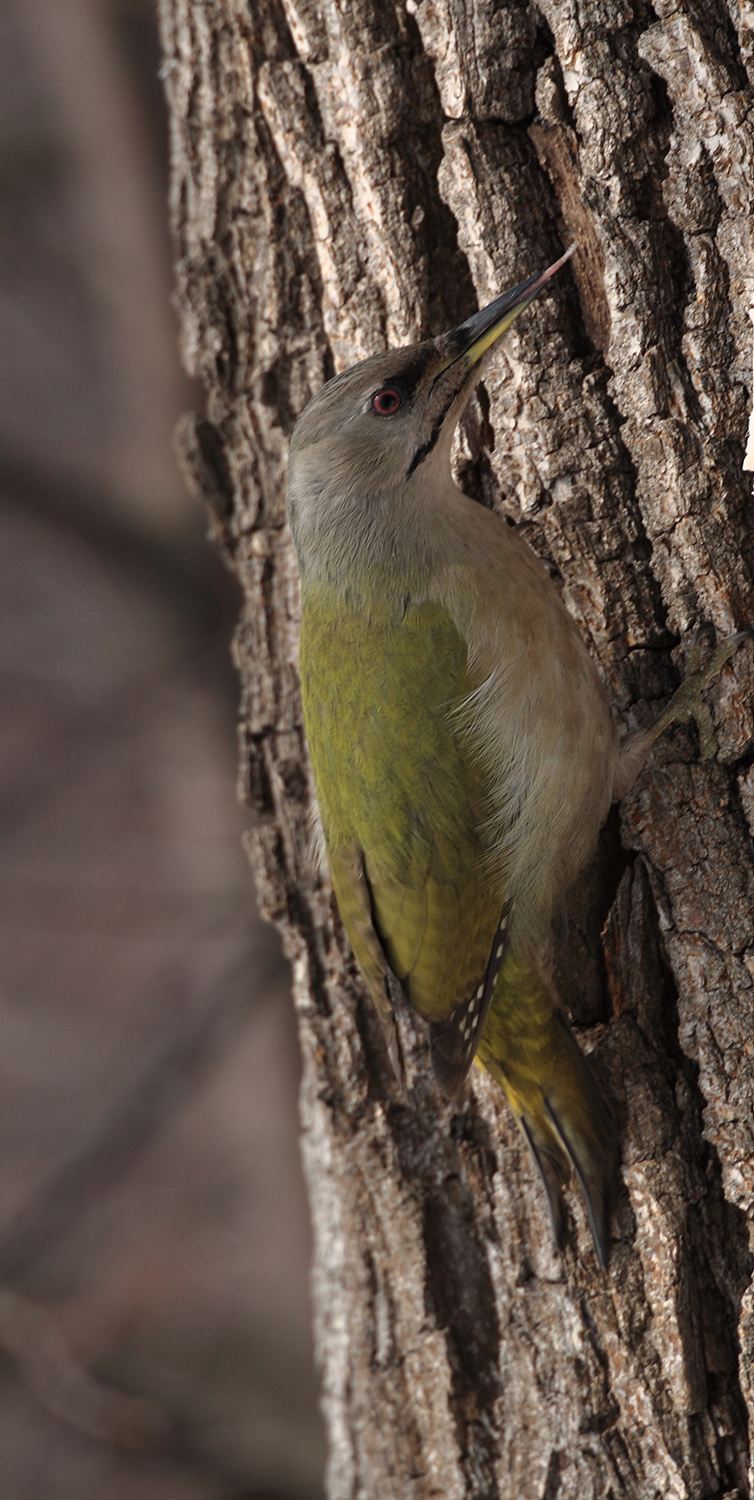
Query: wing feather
point(403, 799)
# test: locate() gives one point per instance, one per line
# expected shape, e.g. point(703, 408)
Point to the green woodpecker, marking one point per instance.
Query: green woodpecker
point(463, 749)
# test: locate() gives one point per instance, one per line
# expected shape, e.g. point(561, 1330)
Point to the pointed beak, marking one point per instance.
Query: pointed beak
point(470, 340)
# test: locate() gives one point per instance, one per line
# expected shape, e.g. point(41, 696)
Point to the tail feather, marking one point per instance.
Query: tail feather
point(554, 1171)
point(583, 1120)
point(594, 1168)
point(530, 1049)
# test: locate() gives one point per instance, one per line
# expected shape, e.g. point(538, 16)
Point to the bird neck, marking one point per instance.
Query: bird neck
point(371, 550)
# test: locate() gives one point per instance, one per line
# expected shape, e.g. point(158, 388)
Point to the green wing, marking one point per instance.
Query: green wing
point(400, 791)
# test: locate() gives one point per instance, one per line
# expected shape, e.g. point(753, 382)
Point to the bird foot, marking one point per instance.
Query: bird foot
point(687, 702)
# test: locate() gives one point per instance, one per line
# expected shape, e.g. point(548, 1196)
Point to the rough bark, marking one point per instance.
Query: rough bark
point(348, 175)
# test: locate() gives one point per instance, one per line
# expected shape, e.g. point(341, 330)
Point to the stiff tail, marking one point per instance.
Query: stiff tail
point(529, 1048)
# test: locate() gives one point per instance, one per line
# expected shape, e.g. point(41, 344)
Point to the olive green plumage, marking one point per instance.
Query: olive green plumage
point(528, 1047)
point(463, 751)
point(402, 787)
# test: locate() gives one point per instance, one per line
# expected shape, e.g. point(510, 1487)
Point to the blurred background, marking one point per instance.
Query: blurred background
point(154, 1251)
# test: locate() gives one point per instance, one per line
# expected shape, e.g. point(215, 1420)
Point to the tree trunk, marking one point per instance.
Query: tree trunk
point(348, 176)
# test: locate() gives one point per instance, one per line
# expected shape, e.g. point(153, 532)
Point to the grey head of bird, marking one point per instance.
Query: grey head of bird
point(382, 431)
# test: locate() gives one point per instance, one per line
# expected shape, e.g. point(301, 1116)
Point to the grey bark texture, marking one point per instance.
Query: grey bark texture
point(348, 175)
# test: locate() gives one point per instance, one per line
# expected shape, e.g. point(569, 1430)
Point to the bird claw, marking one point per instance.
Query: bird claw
point(687, 702)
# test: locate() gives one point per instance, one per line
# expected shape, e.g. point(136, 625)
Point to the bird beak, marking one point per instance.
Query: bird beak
point(470, 340)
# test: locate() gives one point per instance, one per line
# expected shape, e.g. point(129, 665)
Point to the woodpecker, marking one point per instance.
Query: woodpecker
point(463, 749)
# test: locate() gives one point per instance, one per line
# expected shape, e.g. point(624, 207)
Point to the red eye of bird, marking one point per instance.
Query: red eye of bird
point(386, 402)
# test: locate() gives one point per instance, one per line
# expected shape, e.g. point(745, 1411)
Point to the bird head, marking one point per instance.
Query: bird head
point(369, 434)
